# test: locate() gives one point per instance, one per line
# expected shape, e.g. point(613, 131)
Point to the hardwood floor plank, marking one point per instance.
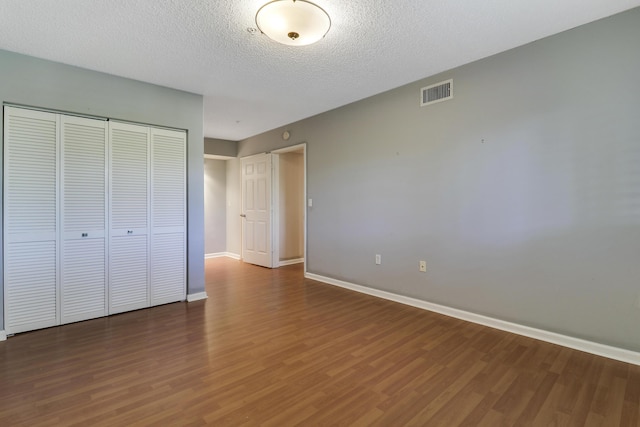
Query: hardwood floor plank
point(451, 413)
point(269, 347)
point(585, 399)
point(537, 400)
point(492, 418)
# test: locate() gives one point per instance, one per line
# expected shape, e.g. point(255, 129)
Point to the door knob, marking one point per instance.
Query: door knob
point(243, 215)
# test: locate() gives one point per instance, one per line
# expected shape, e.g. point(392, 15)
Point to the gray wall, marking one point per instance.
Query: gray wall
point(215, 210)
point(35, 82)
point(234, 206)
point(539, 224)
point(220, 147)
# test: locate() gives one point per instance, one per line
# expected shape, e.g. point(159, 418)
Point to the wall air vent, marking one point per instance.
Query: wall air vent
point(438, 92)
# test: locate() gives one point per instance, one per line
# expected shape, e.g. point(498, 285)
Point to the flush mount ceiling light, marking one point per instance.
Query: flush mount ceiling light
point(293, 22)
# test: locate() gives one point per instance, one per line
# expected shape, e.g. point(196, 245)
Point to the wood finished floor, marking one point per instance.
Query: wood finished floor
point(271, 348)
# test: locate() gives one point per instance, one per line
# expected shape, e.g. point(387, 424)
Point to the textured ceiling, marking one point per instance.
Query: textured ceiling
point(251, 84)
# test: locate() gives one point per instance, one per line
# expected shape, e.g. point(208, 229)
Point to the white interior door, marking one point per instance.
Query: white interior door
point(31, 292)
point(84, 222)
point(83, 284)
point(256, 210)
point(168, 216)
point(129, 246)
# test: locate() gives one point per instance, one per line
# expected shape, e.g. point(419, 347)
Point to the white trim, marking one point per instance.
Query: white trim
point(196, 297)
point(290, 262)
point(222, 254)
point(598, 349)
point(215, 255)
point(275, 210)
point(218, 157)
point(3, 335)
point(296, 147)
point(53, 111)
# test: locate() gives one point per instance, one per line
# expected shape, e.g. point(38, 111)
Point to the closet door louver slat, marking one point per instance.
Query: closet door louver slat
point(129, 261)
point(94, 218)
point(168, 159)
point(129, 273)
point(83, 280)
point(129, 181)
point(83, 285)
point(30, 220)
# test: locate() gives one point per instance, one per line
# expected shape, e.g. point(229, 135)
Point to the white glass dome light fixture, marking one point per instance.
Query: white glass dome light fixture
point(293, 22)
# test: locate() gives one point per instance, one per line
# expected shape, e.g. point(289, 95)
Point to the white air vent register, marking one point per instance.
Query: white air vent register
point(438, 92)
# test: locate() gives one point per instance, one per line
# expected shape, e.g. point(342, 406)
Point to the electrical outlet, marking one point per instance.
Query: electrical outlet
point(378, 259)
point(423, 266)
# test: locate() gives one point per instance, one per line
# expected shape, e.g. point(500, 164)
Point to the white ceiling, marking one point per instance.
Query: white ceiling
point(251, 84)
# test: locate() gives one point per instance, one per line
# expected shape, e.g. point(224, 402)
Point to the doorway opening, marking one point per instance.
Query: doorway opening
point(274, 207)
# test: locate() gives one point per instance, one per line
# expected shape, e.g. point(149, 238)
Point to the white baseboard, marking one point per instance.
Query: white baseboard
point(222, 254)
point(3, 335)
point(196, 297)
point(290, 262)
point(610, 352)
point(215, 255)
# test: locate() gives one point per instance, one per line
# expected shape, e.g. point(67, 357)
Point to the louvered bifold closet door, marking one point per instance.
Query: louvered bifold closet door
point(168, 213)
point(84, 200)
point(129, 217)
point(30, 220)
